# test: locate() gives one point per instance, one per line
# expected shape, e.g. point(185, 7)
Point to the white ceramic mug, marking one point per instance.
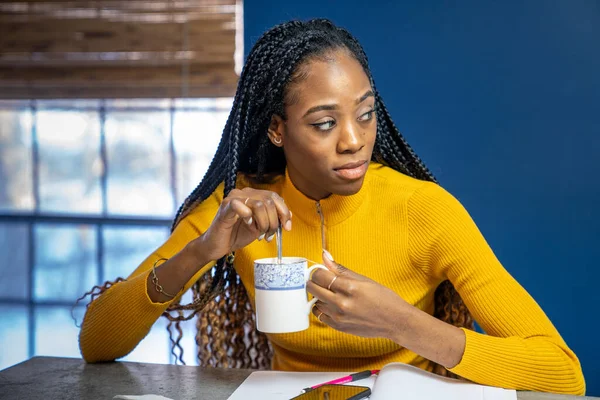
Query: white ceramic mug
point(281, 302)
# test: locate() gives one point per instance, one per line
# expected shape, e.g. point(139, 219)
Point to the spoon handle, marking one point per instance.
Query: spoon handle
point(279, 244)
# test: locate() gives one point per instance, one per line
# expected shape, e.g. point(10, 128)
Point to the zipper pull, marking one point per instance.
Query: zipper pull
point(322, 218)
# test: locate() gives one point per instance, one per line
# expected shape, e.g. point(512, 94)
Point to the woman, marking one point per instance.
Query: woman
point(309, 140)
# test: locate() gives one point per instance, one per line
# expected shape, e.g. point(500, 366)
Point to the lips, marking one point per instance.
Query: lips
point(352, 171)
point(351, 165)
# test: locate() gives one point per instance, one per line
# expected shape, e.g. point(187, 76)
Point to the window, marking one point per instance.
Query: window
point(88, 188)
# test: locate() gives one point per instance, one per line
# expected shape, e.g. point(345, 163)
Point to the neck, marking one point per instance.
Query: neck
point(314, 193)
point(336, 208)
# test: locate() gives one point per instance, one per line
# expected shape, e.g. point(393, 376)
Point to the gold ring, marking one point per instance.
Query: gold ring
point(331, 283)
point(319, 317)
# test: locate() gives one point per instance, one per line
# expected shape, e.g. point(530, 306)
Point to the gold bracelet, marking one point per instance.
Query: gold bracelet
point(157, 286)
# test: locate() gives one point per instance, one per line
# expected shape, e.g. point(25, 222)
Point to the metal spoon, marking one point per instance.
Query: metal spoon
point(279, 244)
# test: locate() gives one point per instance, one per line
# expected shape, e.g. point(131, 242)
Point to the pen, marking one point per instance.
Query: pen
point(345, 379)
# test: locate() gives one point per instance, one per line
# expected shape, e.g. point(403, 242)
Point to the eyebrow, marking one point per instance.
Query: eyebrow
point(327, 107)
point(365, 96)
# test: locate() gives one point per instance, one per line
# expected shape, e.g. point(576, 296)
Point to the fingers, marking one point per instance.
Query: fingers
point(323, 278)
point(277, 214)
point(240, 209)
point(332, 265)
point(273, 216)
point(232, 210)
point(267, 209)
point(322, 312)
point(261, 217)
point(321, 293)
point(283, 212)
point(338, 279)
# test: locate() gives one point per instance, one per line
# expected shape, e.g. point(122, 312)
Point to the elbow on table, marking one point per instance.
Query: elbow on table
point(572, 380)
point(574, 386)
point(90, 352)
point(577, 386)
point(92, 345)
point(93, 359)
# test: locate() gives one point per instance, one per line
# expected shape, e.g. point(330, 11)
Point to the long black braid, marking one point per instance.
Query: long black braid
point(272, 65)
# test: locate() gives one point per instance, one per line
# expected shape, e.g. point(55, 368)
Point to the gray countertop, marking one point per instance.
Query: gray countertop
point(71, 378)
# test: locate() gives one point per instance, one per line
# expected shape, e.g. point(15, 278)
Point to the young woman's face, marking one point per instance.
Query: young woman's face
point(330, 130)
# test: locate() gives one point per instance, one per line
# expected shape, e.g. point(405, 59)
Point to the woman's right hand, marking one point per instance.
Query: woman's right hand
point(244, 216)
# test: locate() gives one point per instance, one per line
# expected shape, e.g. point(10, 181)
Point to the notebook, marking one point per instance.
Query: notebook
point(395, 380)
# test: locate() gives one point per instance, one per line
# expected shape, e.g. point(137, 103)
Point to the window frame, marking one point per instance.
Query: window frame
point(97, 221)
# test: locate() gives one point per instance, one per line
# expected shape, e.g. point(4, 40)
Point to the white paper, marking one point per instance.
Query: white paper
point(395, 381)
point(141, 397)
point(413, 383)
point(277, 385)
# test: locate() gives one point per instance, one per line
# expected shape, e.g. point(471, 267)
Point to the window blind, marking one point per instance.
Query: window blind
point(118, 49)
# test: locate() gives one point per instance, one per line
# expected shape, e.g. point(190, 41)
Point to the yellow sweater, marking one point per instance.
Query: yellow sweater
point(406, 234)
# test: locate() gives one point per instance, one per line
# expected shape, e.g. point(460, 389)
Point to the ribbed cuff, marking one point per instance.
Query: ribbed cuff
point(511, 363)
point(132, 314)
point(470, 363)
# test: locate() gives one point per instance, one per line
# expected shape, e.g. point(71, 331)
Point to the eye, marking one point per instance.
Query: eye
point(325, 126)
point(367, 116)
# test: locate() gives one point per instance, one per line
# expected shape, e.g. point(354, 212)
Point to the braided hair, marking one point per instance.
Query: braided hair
point(226, 323)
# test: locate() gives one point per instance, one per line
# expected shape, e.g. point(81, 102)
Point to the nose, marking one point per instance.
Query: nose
point(351, 138)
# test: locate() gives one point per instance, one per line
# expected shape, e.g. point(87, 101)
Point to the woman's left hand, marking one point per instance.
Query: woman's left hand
point(355, 304)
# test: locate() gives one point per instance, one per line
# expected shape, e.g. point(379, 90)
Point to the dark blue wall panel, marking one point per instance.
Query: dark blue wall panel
point(502, 101)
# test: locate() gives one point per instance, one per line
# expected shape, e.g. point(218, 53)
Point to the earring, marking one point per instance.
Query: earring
point(277, 140)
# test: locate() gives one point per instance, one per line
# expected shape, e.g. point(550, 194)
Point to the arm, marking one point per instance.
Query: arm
point(348, 305)
point(121, 317)
point(522, 348)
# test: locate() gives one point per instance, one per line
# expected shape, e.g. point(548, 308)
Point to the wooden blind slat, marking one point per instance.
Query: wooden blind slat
point(120, 4)
point(87, 48)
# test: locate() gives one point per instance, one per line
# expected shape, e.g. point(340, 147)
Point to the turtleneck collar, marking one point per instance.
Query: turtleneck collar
point(335, 208)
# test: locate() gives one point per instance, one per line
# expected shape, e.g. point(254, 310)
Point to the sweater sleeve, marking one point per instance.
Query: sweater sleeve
point(522, 349)
point(116, 322)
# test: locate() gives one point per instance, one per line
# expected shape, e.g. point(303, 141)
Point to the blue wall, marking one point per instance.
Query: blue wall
point(502, 101)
